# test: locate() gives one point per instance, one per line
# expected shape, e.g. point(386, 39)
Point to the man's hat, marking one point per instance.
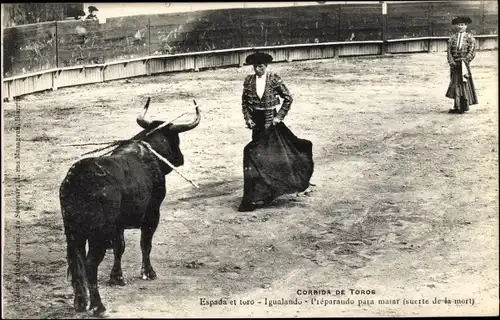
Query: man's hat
point(258, 58)
point(464, 19)
point(92, 8)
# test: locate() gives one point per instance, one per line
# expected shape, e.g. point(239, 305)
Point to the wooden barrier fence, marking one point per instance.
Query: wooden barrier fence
point(59, 54)
point(53, 79)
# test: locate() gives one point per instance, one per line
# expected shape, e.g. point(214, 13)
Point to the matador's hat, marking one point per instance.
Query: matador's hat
point(92, 9)
point(258, 58)
point(463, 19)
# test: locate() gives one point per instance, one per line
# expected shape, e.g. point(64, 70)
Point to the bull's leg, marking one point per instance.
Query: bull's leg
point(147, 231)
point(116, 277)
point(97, 251)
point(76, 268)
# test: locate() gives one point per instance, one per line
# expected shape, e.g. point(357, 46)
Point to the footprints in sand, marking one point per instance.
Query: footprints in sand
point(352, 235)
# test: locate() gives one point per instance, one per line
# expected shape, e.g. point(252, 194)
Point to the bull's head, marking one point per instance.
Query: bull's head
point(164, 137)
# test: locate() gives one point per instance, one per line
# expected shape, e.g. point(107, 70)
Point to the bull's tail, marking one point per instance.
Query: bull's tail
point(76, 270)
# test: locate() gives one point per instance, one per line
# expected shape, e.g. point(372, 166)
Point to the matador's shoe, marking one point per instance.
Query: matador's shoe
point(246, 206)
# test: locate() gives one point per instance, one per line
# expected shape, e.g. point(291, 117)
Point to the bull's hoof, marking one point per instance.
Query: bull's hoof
point(148, 275)
point(81, 304)
point(98, 311)
point(116, 281)
point(80, 308)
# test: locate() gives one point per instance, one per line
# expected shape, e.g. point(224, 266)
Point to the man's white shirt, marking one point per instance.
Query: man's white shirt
point(460, 40)
point(260, 84)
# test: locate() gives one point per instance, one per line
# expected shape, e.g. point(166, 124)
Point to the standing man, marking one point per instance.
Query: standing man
point(461, 52)
point(261, 92)
point(91, 15)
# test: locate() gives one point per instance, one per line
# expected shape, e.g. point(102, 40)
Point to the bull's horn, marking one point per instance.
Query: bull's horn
point(140, 117)
point(181, 127)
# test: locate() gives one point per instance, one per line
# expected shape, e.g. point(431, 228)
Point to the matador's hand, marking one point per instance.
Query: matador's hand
point(250, 124)
point(276, 120)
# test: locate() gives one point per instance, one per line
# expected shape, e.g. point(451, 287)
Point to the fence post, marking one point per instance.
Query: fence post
point(240, 30)
point(10, 97)
point(242, 58)
point(430, 19)
point(57, 46)
point(149, 36)
point(290, 31)
point(339, 17)
point(54, 80)
point(197, 33)
point(430, 31)
point(195, 62)
point(56, 73)
point(481, 23)
point(383, 32)
point(148, 64)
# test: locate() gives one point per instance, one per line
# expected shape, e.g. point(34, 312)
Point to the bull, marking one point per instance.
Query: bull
point(102, 196)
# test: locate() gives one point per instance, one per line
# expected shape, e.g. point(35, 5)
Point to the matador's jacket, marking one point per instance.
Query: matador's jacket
point(467, 50)
point(262, 110)
point(461, 88)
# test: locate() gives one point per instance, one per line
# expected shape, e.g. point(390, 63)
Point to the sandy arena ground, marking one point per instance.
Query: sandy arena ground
point(406, 202)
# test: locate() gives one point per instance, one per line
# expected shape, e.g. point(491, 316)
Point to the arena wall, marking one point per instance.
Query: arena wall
point(59, 54)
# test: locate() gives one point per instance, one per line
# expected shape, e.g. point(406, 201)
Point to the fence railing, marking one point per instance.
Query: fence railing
point(150, 65)
point(57, 54)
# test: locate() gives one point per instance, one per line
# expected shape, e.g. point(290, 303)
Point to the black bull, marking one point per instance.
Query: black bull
point(102, 196)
